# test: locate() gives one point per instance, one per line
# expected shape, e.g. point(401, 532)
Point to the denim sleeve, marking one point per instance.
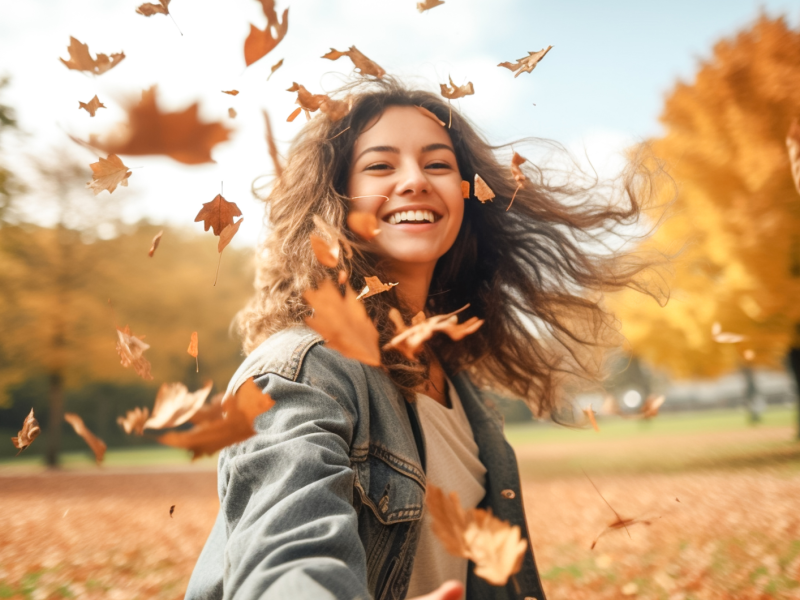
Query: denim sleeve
point(287, 492)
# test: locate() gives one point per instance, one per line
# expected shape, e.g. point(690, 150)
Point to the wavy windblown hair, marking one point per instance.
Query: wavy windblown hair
point(535, 274)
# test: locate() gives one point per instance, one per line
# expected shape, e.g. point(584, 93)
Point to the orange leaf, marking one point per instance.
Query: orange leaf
point(274, 68)
point(232, 113)
point(210, 411)
point(156, 242)
point(517, 173)
point(364, 65)
point(218, 214)
point(294, 114)
point(482, 191)
point(335, 109)
point(454, 91)
point(259, 43)
point(343, 322)
point(97, 445)
point(179, 135)
point(327, 251)
point(227, 234)
point(430, 115)
point(428, 4)
point(526, 64)
point(231, 92)
point(192, 349)
point(272, 148)
point(464, 189)
point(30, 429)
point(374, 286)
point(131, 349)
point(409, 340)
point(107, 173)
point(175, 405)
point(91, 106)
point(81, 60)
point(651, 405)
point(590, 415)
point(148, 9)
point(363, 224)
point(134, 420)
point(236, 424)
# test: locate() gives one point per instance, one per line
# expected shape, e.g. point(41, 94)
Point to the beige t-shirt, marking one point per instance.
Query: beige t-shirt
point(452, 465)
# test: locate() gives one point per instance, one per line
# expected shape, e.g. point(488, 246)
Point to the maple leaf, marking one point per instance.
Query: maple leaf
point(274, 68)
point(107, 173)
point(30, 429)
point(430, 115)
point(363, 224)
point(527, 63)
point(131, 349)
point(454, 91)
point(91, 106)
point(364, 65)
point(232, 113)
point(374, 286)
point(154, 245)
point(81, 60)
point(517, 173)
point(148, 9)
point(97, 445)
point(192, 349)
point(409, 340)
point(134, 420)
point(590, 415)
point(218, 214)
point(343, 322)
point(464, 189)
point(482, 191)
point(428, 4)
point(179, 135)
point(175, 405)
point(335, 109)
point(259, 43)
point(231, 92)
point(226, 235)
point(236, 424)
point(496, 547)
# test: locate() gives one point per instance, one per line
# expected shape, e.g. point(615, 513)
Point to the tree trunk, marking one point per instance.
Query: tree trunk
point(752, 402)
point(56, 418)
point(794, 363)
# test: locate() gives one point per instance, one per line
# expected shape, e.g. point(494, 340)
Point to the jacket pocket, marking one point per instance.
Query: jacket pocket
point(391, 488)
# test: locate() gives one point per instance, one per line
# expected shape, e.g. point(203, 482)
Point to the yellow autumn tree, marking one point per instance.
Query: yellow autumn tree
point(734, 226)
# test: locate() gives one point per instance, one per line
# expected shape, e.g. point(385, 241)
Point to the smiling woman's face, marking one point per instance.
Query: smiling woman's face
point(408, 158)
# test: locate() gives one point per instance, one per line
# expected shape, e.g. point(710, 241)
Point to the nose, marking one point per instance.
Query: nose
point(413, 181)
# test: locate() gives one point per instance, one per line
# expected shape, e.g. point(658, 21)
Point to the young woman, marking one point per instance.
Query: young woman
point(328, 499)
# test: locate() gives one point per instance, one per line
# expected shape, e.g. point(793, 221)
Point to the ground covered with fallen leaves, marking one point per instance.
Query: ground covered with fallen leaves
point(727, 532)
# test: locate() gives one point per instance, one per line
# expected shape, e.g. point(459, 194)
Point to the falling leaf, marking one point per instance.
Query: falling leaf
point(464, 189)
point(231, 113)
point(210, 411)
point(327, 250)
point(409, 340)
point(236, 424)
point(274, 68)
point(272, 147)
point(175, 405)
point(651, 405)
point(454, 91)
point(517, 173)
point(430, 115)
point(156, 242)
point(496, 547)
point(294, 114)
point(428, 4)
point(590, 415)
point(363, 224)
point(81, 60)
point(91, 106)
point(364, 65)
point(259, 43)
point(374, 286)
point(343, 322)
point(482, 191)
point(227, 234)
point(131, 349)
point(134, 420)
point(97, 445)
point(722, 337)
point(148, 9)
point(619, 522)
point(231, 92)
point(30, 429)
point(107, 174)
point(793, 146)
point(171, 510)
point(179, 135)
point(192, 349)
point(217, 214)
point(335, 109)
point(527, 63)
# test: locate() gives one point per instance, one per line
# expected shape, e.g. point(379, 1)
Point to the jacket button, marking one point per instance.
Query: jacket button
point(508, 494)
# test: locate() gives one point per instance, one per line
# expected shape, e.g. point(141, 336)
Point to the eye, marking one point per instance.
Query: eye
point(378, 167)
point(438, 165)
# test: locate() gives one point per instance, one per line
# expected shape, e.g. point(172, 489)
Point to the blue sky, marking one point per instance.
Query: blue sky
point(600, 88)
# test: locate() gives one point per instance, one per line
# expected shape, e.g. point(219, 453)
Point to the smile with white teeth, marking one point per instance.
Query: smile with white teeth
point(411, 216)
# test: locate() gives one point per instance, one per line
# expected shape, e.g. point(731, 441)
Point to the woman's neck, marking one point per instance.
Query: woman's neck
point(415, 280)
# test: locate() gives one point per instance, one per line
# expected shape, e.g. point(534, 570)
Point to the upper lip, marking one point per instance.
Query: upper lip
point(437, 213)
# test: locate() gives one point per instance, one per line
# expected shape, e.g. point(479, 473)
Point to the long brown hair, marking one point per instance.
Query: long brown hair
point(535, 273)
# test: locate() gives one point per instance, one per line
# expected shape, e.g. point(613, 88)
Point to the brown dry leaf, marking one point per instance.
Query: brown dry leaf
point(97, 445)
point(131, 350)
point(30, 429)
point(343, 322)
point(107, 174)
point(217, 214)
point(590, 415)
point(374, 286)
point(236, 424)
point(619, 522)
point(482, 191)
point(430, 115)
point(156, 242)
point(428, 4)
point(363, 224)
point(175, 405)
point(259, 43)
point(454, 91)
point(793, 146)
point(210, 411)
point(148, 9)
point(232, 113)
point(81, 60)
point(517, 173)
point(179, 135)
point(274, 68)
point(409, 340)
point(364, 65)
point(526, 64)
point(464, 189)
point(231, 92)
point(335, 109)
point(91, 106)
point(227, 234)
point(496, 547)
point(192, 349)
point(272, 147)
point(134, 420)
point(651, 405)
point(294, 114)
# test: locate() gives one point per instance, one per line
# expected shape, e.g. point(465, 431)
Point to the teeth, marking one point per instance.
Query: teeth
point(412, 216)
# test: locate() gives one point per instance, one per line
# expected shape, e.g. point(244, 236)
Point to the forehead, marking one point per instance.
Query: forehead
point(404, 127)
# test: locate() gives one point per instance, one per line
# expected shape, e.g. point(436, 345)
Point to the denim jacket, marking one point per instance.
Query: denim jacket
point(325, 501)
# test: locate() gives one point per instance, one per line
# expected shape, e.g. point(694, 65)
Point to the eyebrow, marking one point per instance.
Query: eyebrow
point(396, 150)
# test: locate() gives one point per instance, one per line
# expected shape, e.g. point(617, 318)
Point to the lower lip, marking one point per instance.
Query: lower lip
point(414, 227)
